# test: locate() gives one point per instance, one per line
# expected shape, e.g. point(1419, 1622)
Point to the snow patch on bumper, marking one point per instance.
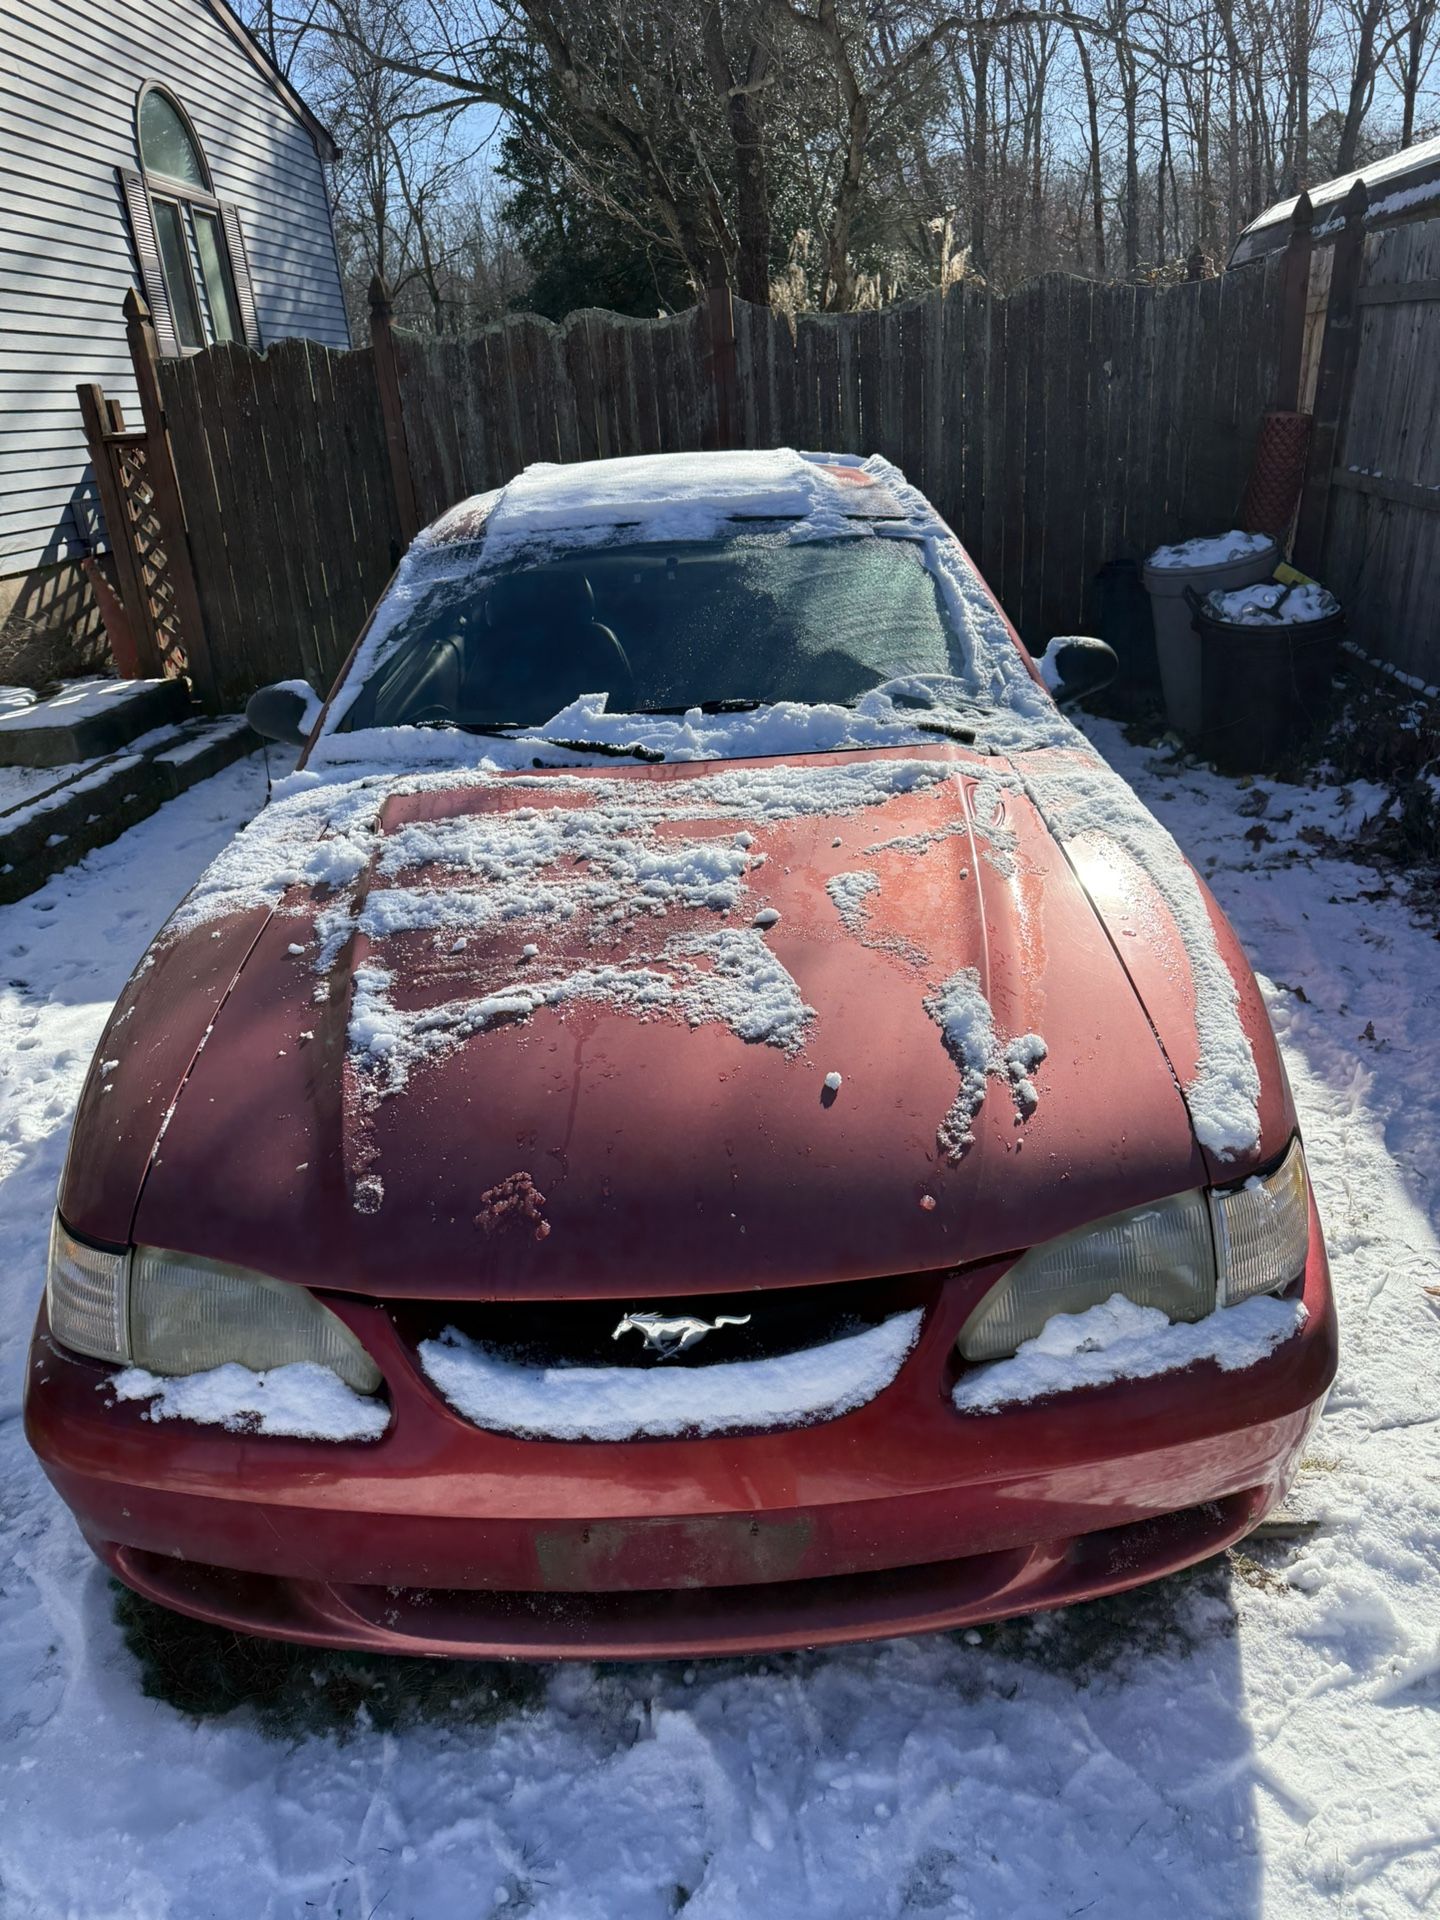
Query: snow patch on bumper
point(1122, 1341)
point(304, 1400)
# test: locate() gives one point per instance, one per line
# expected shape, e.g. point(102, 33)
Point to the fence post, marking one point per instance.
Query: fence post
point(1332, 388)
point(392, 409)
point(127, 626)
point(124, 648)
point(1294, 304)
point(165, 492)
point(720, 325)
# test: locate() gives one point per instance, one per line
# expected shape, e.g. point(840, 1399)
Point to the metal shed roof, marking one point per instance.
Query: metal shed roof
point(1403, 186)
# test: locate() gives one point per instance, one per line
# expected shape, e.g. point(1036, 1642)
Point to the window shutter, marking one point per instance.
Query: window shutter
point(147, 254)
point(240, 269)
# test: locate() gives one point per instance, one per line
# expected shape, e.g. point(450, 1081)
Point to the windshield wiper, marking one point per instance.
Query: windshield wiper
point(470, 726)
point(708, 706)
point(612, 749)
point(965, 735)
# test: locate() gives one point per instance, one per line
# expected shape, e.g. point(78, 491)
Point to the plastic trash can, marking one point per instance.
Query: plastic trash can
point(1264, 688)
point(1203, 566)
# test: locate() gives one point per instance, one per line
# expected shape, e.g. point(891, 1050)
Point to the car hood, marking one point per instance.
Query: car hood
point(653, 1031)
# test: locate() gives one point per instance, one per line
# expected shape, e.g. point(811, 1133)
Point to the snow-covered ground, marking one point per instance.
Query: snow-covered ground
point(1262, 1738)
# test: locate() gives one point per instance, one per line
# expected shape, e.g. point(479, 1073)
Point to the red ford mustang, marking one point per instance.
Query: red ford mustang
point(702, 1118)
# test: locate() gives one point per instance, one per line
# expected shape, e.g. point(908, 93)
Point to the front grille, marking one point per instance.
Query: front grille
point(580, 1333)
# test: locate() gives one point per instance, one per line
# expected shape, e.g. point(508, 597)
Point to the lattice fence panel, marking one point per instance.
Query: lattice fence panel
point(147, 540)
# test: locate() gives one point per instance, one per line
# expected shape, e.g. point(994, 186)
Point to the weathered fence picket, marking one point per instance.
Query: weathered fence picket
point(1054, 429)
point(1382, 535)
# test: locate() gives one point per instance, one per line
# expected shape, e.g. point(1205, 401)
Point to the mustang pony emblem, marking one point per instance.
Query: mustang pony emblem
point(669, 1334)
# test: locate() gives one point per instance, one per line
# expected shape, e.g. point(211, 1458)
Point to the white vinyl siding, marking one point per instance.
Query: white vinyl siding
point(68, 87)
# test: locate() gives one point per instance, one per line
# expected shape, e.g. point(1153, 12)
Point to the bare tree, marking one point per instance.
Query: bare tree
point(1363, 22)
point(826, 150)
point(1410, 57)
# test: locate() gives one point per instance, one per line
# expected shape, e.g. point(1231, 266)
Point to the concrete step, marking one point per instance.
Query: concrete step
point(85, 719)
point(204, 748)
point(95, 802)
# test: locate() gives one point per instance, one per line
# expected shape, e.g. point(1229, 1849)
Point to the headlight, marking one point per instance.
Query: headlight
point(1185, 1255)
point(87, 1296)
point(1262, 1230)
point(174, 1314)
point(1161, 1256)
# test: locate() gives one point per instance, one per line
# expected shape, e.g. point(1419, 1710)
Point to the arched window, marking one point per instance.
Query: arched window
point(167, 146)
point(187, 241)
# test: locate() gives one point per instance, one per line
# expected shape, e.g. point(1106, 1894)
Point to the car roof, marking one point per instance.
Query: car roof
point(672, 495)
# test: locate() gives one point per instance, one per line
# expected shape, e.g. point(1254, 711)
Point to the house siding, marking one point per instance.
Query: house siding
point(68, 87)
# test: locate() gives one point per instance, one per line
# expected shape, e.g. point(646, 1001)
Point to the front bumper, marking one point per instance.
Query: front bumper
point(901, 1517)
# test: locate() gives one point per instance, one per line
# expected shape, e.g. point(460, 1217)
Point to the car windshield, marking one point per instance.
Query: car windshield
point(750, 619)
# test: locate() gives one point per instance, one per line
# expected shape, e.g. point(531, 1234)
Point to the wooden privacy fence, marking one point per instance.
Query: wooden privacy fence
point(1374, 529)
point(1054, 428)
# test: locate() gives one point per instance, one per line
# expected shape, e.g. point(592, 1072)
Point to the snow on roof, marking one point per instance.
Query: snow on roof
point(1422, 158)
point(673, 488)
point(666, 496)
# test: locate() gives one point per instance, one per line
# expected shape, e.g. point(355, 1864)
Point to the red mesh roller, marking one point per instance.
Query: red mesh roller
point(1277, 474)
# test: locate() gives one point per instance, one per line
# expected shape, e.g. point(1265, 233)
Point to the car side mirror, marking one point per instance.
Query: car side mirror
point(285, 712)
point(1075, 664)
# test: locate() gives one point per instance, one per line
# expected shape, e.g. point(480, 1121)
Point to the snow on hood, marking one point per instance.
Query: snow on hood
point(1080, 796)
point(477, 974)
point(967, 1027)
point(324, 835)
point(851, 895)
point(605, 854)
point(631, 1403)
point(729, 976)
point(619, 853)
